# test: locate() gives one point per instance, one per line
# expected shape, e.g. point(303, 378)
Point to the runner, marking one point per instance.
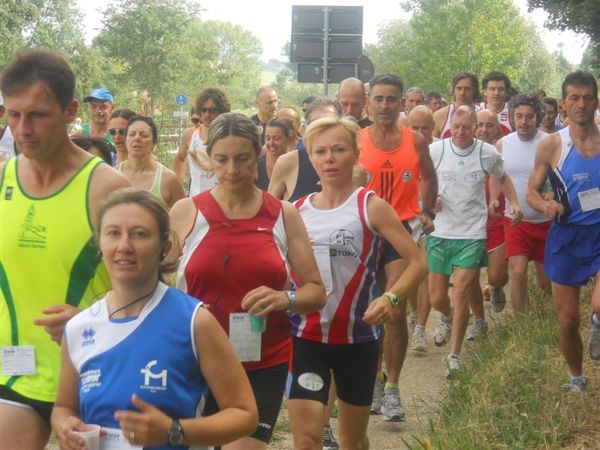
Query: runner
point(525, 241)
point(345, 224)
point(352, 99)
point(395, 159)
point(548, 124)
point(48, 255)
point(267, 103)
point(465, 91)
point(100, 105)
point(458, 242)
point(118, 130)
point(496, 88)
point(571, 160)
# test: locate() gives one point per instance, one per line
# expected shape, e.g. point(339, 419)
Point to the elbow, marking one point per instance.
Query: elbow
point(322, 297)
point(249, 422)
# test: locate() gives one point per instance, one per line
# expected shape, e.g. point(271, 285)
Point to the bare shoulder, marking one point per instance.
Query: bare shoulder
point(287, 160)
point(440, 114)
point(105, 180)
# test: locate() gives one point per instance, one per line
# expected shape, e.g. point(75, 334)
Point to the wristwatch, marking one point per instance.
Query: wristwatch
point(393, 298)
point(291, 295)
point(175, 436)
point(429, 212)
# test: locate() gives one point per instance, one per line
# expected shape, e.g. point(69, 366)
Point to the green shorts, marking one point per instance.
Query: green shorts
point(443, 255)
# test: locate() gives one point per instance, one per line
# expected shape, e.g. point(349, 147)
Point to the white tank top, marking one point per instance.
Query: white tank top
point(7, 145)
point(519, 158)
point(201, 179)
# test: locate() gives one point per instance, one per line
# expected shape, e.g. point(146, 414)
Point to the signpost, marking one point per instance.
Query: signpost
point(181, 100)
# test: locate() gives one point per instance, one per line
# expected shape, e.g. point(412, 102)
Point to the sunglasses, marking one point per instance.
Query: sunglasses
point(208, 110)
point(120, 131)
point(195, 121)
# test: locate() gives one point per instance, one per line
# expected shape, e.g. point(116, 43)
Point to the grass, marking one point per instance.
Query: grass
point(509, 395)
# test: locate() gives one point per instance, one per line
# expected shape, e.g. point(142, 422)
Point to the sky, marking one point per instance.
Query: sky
point(271, 21)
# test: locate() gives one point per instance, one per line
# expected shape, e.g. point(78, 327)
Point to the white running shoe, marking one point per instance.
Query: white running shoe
point(418, 341)
point(443, 330)
point(479, 328)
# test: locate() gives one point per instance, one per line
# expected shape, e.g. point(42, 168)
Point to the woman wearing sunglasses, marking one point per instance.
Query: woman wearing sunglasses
point(192, 157)
point(117, 128)
point(142, 169)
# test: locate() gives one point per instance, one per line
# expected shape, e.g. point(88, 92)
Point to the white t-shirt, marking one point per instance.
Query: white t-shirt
point(461, 186)
point(200, 179)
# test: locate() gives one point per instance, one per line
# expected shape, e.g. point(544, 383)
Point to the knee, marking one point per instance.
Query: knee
point(308, 442)
point(568, 323)
point(518, 273)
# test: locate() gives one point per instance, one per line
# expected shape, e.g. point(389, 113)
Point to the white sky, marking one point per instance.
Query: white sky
point(271, 21)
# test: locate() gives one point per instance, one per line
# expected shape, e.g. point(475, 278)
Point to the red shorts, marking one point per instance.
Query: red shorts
point(495, 233)
point(526, 239)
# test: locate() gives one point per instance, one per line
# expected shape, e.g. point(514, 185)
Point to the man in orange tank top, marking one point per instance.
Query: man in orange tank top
point(395, 158)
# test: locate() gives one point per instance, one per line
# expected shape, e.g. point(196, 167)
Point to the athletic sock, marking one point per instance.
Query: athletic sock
point(391, 386)
point(595, 320)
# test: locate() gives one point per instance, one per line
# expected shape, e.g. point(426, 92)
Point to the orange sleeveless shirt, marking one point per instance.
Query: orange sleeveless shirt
point(394, 175)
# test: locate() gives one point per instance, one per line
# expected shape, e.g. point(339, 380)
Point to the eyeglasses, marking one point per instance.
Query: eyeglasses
point(114, 131)
point(208, 110)
point(195, 121)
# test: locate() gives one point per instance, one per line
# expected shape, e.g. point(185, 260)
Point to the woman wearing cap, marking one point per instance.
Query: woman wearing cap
point(141, 168)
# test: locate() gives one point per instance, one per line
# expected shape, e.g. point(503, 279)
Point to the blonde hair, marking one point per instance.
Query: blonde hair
point(323, 124)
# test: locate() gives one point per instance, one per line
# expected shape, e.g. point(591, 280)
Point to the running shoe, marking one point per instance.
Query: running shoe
point(378, 395)
point(412, 323)
point(392, 408)
point(452, 366)
point(497, 299)
point(594, 343)
point(576, 384)
point(479, 328)
point(418, 341)
point(329, 442)
point(443, 330)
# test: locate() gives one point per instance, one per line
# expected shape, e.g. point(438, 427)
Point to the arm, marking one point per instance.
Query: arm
point(182, 216)
point(546, 157)
point(311, 294)
point(511, 194)
point(359, 175)
point(438, 121)
point(174, 188)
point(429, 183)
point(180, 163)
point(65, 414)
point(227, 381)
point(278, 185)
point(387, 223)
point(495, 189)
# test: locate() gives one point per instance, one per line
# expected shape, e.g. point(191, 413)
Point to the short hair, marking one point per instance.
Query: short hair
point(261, 90)
point(308, 99)
point(32, 66)
point(415, 89)
point(326, 123)
point(530, 99)
point(147, 120)
point(496, 75)
point(233, 124)
point(123, 114)
point(144, 199)
point(285, 125)
point(579, 78)
point(387, 78)
point(106, 148)
point(421, 109)
point(431, 95)
point(320, 102)
point(464, 110)
point(214, 94)
point(467, 76)
point(551, 101)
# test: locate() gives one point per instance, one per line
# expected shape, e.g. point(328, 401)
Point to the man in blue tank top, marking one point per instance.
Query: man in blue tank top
point(570, 158)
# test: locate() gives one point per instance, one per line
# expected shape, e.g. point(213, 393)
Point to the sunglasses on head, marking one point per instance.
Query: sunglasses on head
point(114, 131)
point(208, 110)
point(195, 121)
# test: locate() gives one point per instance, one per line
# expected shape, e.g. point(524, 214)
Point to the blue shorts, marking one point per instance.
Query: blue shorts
point(572, 253)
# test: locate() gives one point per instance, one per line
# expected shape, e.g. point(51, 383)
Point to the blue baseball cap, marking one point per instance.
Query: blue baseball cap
point(101, 94)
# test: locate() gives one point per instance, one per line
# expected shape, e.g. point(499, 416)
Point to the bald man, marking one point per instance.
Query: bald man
point(352, 99)
point(293, 116)
point(266, 104)
point(420, 120)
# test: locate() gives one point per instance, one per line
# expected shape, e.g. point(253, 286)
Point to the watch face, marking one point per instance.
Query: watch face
point(176, 434)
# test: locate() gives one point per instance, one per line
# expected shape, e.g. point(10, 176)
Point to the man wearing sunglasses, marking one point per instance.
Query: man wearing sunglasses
point(100, 106)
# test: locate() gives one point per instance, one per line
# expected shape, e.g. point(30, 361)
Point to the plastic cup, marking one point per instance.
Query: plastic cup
point(91, 436)
point(258, 324)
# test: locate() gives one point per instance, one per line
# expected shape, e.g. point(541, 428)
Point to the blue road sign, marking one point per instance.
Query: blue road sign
point(181, 99)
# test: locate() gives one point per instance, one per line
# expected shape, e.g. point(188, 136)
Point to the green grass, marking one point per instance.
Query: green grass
point(509, 394)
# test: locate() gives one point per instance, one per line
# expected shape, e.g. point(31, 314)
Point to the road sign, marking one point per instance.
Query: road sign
point(180, 113)
point(181, 99)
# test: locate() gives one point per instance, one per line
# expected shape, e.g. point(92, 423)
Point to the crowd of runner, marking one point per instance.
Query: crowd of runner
point(301, 260)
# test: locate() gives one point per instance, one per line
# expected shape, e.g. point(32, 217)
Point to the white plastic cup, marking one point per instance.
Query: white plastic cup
point(91, 436)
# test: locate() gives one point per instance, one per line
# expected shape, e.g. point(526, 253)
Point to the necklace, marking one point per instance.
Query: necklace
point(139, 299)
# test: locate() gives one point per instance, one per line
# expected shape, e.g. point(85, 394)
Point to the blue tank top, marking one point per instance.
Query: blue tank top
point(576, 184)
point(152, 355)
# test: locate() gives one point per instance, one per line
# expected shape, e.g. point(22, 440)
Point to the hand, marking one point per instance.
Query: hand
point(427, 223)
point(149, 427)
point(517, 214)
point(493, 208)
point(56, 317)
point(552, 209)
point(69, 440)
point(262, 300)
point(379, 311)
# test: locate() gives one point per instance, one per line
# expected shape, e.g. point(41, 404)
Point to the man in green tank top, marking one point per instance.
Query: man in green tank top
point(100, 106)
point(49, 263)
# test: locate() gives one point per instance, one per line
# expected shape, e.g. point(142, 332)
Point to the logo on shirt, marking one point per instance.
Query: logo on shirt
point(407, 176)
point(369, 177)
point(88, 337)
point(90, 379)
point(387, 165)
point(475, 177)
point(341, 237)
point(581, 177)
point(32, 235)
point(154, 381)
point(447, 176)
point(8, 192)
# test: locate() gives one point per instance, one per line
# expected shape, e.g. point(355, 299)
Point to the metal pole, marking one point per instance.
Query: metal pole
point(325, 50)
